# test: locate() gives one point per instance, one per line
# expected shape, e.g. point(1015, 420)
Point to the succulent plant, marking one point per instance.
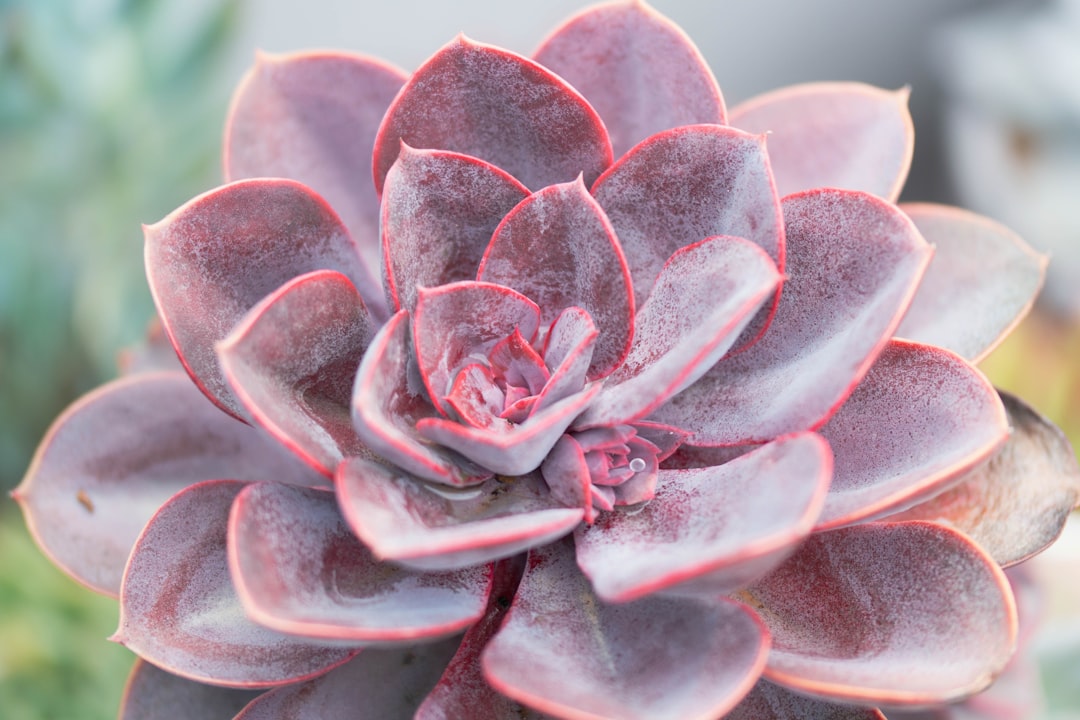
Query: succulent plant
point(550, 388)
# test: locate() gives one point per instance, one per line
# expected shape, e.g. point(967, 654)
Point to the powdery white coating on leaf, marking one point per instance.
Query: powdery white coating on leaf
point(498, 106)
point(842, 135)
point(388, 399)
point(854, 262)
point(887, 613)
point(703, 299)
point(919, 418)
point(1016, 503)
point(117, 454)
point(683, 185)
point(313, 117)
point(178, 608)
point(709, 531)
point(564, 652)
point(439, 210)
point(638, 69)
point(558, 249)
point(292, 362)
point(434, 528)
point(981, 283)
point(153, 694)
point(458, 323)
point(214, 258)
point(377, 683)
point(299, 569)
point(772, 702)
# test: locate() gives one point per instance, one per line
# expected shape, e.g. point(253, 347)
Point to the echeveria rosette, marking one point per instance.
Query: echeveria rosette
point(652, 350)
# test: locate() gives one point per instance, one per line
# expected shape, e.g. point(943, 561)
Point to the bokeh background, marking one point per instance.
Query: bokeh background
point(111, 114)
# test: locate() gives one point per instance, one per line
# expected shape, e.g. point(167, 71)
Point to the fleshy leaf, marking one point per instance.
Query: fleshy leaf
point(292, 362)
point(153, 694)
point(178, 608)
point(887, 613)
point(498, 106)
point(1016, 503)
point(438, 214)
point(564, 652)
point(118, 453)
point(920, 417)
point(686, 184)
point(709, 531)
point(702, 300)
point(213, 259)
point(313, 117)
point(377, 683)
point(568, 349)
point(464, 319)
point(854, 262)
point(514, 449)
point(388, 398)
point(637, 68)
point(772, 702)
point(438, 528)
point(558, 249)
point(842, 135)
point(462, 691)
point(982, 281)
point(299, 569)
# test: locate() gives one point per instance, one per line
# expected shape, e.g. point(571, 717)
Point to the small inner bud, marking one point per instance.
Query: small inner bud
point(637, 465)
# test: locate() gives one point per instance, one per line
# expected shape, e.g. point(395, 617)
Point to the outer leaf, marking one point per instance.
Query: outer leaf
point(982, 281)
point(388, 399)
point(564, 652)
point(889, 613)
point(312, 117)
point(434, 528)
point(772, 702)
point(213, 259)
point(439, 210)
point(854, 262)
point(462, 691)
point(920, 417)
point(637, 68)
point(844, 135)
point(686, 184)
point(711, 530)
point(558, 249)
point(1016, 503)
point(292, 362)
point(179, 611)
point(153, 694)
point(377, 683)
point(117, 454)
point(299, 569)
point(704, 298)
point(490, 103)
point(465, 319)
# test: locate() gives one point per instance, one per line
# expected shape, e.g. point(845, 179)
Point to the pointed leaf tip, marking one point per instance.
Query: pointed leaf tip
point(844, 135)
point(490, 103)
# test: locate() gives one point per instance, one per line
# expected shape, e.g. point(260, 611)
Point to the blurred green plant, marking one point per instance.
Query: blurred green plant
point(109, 115)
